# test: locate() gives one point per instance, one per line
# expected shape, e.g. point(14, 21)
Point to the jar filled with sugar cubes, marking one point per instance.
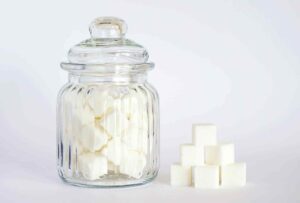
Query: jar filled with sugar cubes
point(107, 113)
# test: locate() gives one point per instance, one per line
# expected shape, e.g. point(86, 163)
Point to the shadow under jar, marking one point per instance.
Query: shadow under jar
point(107, 113)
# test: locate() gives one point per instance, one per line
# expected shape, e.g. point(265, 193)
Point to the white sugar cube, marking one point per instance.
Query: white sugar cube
point(76, 112)
point(86, 115)
point(79, 118)
point(78, 98)
point(133, 164)
point(113, 168)
point(103, 151)
point(114, 123)
point(204, 134)
point(76, 149)
point(136, 138)
point(180, 175)
point(206, 176)
point(219, 154)
point(110, 166)
point(67, 114)
point(233, 175)
point(75, 125)
point(115, 150)
point(100, 101)
point(92, 165)
point(191, 155)
point(139, 120)
point(135, 106)
point(133, 102)
point(92, 138)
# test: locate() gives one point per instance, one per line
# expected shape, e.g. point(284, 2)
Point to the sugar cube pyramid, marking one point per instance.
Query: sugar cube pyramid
point(206, 163)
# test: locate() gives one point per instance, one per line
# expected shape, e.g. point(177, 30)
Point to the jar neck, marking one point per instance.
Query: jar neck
point(110, 78)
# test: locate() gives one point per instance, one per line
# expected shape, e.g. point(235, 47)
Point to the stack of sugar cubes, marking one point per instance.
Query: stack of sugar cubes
point(107, 131)
point(206, 163)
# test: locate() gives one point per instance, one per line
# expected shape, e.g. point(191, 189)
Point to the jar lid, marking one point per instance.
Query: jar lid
point(107, 45)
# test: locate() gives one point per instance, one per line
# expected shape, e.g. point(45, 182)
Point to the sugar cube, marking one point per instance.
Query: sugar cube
point(233, 174)
point(92, 138)
point(133, 164)
point(181, 175)
point(220, 154)
point(100, 101)
point(191, 155)
point(115, 150)
point(92, 165)
point(204, 134)
point(206, 176)
point(136, 138)
point(114, 123)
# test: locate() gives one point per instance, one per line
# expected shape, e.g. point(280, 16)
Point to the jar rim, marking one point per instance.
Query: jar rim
point(107, 68)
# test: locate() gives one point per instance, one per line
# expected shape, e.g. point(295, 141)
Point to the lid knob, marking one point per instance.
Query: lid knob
point(108, 27)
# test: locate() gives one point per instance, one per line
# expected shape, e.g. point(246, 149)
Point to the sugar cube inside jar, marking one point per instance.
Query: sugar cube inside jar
point(107, 113)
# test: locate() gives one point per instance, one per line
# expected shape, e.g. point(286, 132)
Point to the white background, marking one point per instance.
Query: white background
point(233, 63)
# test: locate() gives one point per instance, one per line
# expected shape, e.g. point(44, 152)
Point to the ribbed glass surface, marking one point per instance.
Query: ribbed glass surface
point(107, 133)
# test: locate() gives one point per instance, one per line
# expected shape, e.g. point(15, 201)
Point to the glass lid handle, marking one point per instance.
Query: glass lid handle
point(108, 27)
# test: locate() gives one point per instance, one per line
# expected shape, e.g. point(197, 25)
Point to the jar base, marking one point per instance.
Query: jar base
point(107, 182)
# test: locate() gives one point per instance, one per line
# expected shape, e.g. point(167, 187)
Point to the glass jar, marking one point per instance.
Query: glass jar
point(107, 113)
